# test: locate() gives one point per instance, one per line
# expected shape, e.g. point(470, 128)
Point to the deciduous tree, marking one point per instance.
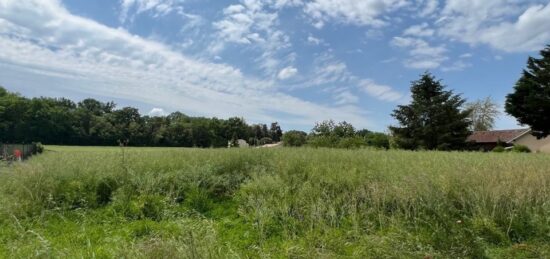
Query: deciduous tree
point(483, 114)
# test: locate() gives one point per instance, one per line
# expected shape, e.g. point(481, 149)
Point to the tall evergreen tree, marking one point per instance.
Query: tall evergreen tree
point(434, 119)
point(276, 132)
point(530, 101)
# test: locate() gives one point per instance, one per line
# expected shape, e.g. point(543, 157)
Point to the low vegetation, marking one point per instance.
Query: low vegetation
point(274, 203)
point(515, 148)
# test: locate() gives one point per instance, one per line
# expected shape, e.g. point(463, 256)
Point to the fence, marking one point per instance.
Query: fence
point(10, 151)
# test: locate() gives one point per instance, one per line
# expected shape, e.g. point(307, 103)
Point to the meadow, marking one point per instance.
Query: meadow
point(78, 202)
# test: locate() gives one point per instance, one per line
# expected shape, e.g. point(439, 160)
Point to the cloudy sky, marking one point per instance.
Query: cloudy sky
point(292, 61)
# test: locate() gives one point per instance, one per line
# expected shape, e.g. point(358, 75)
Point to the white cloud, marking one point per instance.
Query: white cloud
point(157, 8)
point(345, 97)
point(243, 24)
point(333, 77)
point(466, 55)
point(157, 112)
point(381, 92)
point(48, 45)
point(363, 13)
point(287, 72)
point(422, 55)
point(328, 70)
point(250, 24)
point(508, 25)
point(314, 41)
point(421, 30)
point(456, 66)
point(285, 3)
point(429, 7)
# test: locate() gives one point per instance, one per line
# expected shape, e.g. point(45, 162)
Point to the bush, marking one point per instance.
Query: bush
point(351, 143)
point(336, 142)
point(265, 141)
point(499, 149)
point(294, 138)
point(199, 200)
point(323, 141)
point(105, 190)
point(39, 147)
point(152, 207)
point(141, 206)
point(378, 140)
point(520, 149)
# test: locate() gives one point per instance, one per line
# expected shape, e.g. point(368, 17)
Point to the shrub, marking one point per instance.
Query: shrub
point(104, 190)
point(142, 206)
point(197, 199)
point(378, 140)
point(294, 138)
point(152, 207)
point(351, 143)
point(265, 141)
point(499, 149)
point(323, 141)
point(521, 149)
point(39, 147)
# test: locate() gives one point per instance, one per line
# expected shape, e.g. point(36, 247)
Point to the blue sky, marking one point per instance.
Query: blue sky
point(292, 61)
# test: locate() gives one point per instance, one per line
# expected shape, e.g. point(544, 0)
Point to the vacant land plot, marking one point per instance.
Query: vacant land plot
point(274, 203)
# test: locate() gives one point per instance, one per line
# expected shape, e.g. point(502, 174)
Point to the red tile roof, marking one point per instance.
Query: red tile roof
point(496, 135)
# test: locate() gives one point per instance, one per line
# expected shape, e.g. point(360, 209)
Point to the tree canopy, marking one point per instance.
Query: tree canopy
point(530, 101)
point(294, 138)
point(433, 120)
point(92, 122)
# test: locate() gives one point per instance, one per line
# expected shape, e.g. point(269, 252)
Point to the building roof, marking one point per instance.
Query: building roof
point(495, 136)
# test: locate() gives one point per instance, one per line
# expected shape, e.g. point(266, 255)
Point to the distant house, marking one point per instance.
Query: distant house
point(488, 140)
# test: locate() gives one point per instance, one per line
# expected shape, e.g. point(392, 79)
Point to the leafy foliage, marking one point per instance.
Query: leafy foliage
point(294, 138)
point(332, 135)
point(520, 149)
point(266, 140)
point(343, 135)
point(91, 122)
point(530, 101)
point(378, 140)
point(276, 132)
point(434, 119)
point(499, 149)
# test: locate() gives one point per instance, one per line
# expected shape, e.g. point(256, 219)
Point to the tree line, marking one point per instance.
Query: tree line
point(91, 122)
point(329, 134)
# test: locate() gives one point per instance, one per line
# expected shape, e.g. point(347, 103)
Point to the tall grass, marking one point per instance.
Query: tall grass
point(298, 203)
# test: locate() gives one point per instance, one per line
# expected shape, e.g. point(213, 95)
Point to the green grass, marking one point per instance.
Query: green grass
point(96, 202)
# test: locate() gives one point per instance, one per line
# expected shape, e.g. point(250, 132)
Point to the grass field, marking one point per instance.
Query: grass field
point(274, 203)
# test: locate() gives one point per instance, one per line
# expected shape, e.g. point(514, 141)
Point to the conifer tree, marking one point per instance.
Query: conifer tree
point(433, 120)
point(530, 101)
